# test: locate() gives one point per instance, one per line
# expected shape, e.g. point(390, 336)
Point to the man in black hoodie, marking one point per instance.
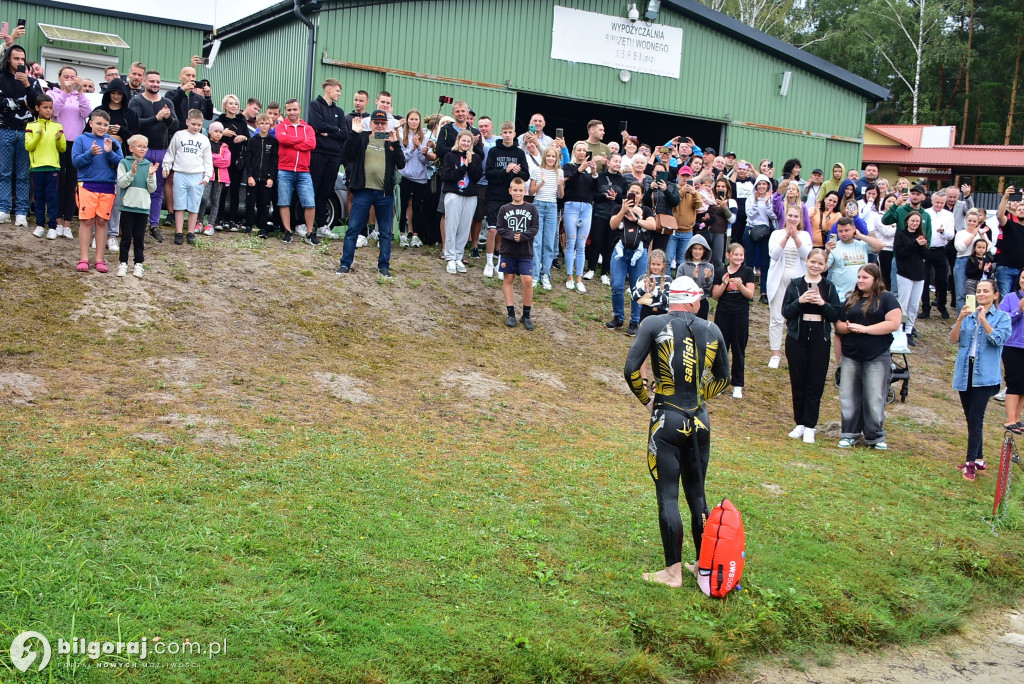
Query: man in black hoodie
point(17, 102)
point(187, 97)
point(505, 161)
point(328, 120)
point(157, 123)
point(123, 125)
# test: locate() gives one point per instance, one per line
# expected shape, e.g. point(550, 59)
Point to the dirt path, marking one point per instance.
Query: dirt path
point(986, 653)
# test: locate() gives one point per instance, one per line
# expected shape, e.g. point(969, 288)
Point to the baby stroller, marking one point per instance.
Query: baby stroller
point(899, 363)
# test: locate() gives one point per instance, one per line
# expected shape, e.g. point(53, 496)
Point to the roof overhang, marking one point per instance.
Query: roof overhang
point(67, 34)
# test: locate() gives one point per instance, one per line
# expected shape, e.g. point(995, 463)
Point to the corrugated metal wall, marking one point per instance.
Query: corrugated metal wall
point(754, 145)
point(164, 48)
point(509, 44)
point(422, 94)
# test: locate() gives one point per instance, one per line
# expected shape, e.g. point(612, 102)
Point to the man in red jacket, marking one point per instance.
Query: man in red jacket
point(295, 139)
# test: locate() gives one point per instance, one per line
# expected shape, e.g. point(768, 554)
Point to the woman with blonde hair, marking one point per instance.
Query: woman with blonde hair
point(461, 170)
point(547, 185)
point(580, 183)
point(236, 132)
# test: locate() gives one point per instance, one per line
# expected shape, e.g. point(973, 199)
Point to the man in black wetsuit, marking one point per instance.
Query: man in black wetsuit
point(690, 365)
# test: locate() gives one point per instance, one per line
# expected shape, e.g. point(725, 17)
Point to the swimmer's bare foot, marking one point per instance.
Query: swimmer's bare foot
point(692, 567)
point(671, 576)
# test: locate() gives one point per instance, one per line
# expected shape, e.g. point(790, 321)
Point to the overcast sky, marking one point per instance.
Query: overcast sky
point(214, 12)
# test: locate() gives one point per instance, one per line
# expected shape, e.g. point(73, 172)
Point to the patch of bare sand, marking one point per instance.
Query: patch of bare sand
point(20, 388)
point(116, 303)
point(549, 379)
point(475, 384)
point(922, 415)
point(345, 387)
point(179, 371)
point(990, 652)
point(614, 380)
point(204, 428)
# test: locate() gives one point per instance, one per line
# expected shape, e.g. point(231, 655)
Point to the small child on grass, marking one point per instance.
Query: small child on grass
point(518, 223)
point(136, 177)
point(45, 142)
point(188, 155)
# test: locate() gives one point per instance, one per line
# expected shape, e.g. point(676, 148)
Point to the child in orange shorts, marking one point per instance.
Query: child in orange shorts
point(96, 156)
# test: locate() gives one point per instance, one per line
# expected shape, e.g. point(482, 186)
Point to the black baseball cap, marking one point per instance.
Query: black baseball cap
point(378, 115)
point(919, 188)
point(818, 171)
point(730, 154)
point(710, 150)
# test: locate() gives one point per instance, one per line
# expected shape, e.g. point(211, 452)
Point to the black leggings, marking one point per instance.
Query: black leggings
point(259, 204)
point(421, 197)
point(735, 329)
point(808, 370)
point(600, 245)
point(885, 264)
point(133, 234)
point(679, 446)
point(323, 168)
point(230, 198)
point(974, 401)
point(67, 186)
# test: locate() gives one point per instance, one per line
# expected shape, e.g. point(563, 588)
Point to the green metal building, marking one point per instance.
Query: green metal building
point(737, 88)
point(91, 39)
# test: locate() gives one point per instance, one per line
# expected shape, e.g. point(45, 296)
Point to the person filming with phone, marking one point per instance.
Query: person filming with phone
point(631, 232)
point(1010, 247)
point(18, 93)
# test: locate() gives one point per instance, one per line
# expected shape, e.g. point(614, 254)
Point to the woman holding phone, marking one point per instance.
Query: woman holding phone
point(662, 196)
point(547, 185)
point(788, 247)
point(979, 334)
point(811, 307)
point(580, 184)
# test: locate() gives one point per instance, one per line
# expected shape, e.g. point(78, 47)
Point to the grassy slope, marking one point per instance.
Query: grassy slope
point(481, 513)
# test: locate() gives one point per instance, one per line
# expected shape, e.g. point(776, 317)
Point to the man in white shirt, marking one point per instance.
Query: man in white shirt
point(942, 233)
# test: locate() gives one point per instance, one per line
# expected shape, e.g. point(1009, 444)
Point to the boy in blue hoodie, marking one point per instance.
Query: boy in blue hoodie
point(96, 156)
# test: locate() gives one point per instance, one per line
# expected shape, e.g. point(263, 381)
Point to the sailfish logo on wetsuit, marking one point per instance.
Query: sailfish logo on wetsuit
point(689, 359)
point(666, 343)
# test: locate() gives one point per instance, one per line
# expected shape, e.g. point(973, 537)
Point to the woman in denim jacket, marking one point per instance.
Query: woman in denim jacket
point(981, 334)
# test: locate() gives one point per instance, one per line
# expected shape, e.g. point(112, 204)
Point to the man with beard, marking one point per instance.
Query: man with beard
point(158, 123)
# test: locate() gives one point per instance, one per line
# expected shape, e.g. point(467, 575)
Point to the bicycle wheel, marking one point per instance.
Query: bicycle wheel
point(1003, 474)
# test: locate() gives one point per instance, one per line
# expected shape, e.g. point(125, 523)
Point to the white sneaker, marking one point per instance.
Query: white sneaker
point(1001, 396)
point(774, 361)
point(459, 266)
point(605, 280)
point(415, 241)
point(589, 275)
point(113, 244)
point(375, 235)
point(67, 233)
point(139, 270)
point(403, 240)
point(581, 288)
point(122, 270)
point(208, 230)
point(300, 230)
point(545, 282)
point(325, 232)
point(570, 284)
point(809, 436)
point(489, 271)
point(21, 220)
point(5, 217)
point(797, 432)
point(39, 232)
point(361, 241)
point(737, 392)
point(51, 234)
point(452, 268)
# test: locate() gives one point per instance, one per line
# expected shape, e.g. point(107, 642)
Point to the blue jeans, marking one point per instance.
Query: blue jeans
point(299, 180)
point(622, 270)
point(676, 250)
point(863, 388)
point(1006, 277)
point(362, 200)
point(960, 281)
point(576, 218)
point(544, 242)
point(47, 199)
point(13, 164)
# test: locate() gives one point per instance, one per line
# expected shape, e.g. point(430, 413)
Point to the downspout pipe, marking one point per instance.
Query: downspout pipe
point(310, 43)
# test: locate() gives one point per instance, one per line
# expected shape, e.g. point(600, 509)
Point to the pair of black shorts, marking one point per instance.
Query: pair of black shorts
point(520, 267)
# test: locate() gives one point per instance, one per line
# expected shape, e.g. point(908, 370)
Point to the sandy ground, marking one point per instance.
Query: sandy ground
point(985, 653)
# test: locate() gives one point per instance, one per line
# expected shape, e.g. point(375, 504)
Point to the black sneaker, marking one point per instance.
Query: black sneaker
point(179, 239)
point(474, 253)
point(384, 272)
point(911, 341)
point(510, 321)
point(263, 234)
point(527, 322)
point(614, 323)
point(631, 331)
point(191, 238)
point(287, 239)
point(764, 299)
point(944, 313)
point(311, 239)
point(342, 270)
point(925, 314)
point(248, 230)
point(155, 232)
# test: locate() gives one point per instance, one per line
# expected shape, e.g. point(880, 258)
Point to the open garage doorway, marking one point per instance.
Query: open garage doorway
point(650, 127)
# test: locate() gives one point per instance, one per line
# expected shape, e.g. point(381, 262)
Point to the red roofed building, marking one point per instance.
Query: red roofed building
point(930, 152)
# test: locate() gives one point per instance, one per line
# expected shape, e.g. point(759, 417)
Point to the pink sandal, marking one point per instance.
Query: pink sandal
point(101, 266)
point(83, 266)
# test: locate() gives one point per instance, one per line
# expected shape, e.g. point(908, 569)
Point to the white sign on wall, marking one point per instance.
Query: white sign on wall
point(590, 38)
